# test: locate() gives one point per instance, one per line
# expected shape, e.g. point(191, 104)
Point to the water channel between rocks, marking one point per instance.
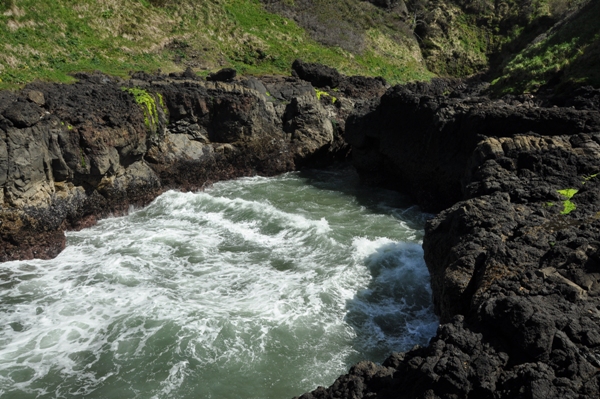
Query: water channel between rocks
point(254, 288)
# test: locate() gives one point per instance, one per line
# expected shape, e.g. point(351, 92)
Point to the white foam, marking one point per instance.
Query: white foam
point(199, 285)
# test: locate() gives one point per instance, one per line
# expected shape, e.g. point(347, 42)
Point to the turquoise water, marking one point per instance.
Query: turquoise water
point(253, 288)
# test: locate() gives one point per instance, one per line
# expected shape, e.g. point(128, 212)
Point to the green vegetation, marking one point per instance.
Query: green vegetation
point(460, 38)
point(520, 43)
point(83, 163)
point(148, 104)
point(569, 193)
point(590, 177)
point(568, 205)
point(321, 93)
point(161, 101)
point(568, 54)
point(52, 39)
point(379, 42)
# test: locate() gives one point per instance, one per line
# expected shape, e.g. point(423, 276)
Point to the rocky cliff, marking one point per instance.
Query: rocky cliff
point(71, 154)
point(515, 255)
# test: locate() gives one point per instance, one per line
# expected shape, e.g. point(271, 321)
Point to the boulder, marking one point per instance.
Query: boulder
point(223, 75)
point(318, 75)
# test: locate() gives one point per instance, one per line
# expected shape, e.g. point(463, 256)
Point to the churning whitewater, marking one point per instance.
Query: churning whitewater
point(254, 288)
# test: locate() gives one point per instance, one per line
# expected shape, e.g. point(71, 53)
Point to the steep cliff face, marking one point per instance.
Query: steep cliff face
point(419, 138)
point(514, 261)
point(70, 154)
point(525, 45)
point(565, 56)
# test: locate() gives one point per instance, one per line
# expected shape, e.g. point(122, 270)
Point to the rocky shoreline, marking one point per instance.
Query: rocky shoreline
point(514, 253)
point(71, 154)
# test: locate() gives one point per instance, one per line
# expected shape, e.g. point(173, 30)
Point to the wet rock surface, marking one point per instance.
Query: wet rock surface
point(515, 254)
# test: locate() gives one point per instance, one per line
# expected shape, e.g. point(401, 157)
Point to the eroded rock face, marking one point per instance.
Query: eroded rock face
point(514, 258)
point(420, 141)
point(70, 154)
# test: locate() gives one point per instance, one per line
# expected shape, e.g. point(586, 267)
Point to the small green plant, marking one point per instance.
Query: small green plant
point(148, 104)
point(568, 205)
point(161, 101)
point(321, 93)
point(588, 178)
point(83, 163)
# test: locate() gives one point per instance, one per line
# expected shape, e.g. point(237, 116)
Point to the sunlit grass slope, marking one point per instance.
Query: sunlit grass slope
point(566, 55)
point(51, 39)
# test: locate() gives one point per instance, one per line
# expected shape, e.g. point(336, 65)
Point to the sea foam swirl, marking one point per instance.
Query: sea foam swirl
point(254, 288)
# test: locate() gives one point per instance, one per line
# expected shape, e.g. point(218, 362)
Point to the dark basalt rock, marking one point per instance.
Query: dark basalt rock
point(71, 154)
point(23, 114)
point(321, 76)
point(421, 143)
point(318, 75)
point(363, 87)
point(223, 75)
point(581, 98)
point(515, 272)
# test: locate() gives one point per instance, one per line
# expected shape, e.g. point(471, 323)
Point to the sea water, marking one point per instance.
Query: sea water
point(253, 288)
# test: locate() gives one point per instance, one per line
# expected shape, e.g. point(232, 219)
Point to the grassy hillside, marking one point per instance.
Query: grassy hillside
point(566, 55)
point(50, 39)
point(463, 37)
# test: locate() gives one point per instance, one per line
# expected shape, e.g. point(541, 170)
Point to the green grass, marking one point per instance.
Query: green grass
point(50, 40)
point(571, 50)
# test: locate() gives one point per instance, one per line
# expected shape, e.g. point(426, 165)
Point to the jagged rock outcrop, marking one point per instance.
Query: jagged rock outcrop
point(419, 138)
point(71, 154)
point(514, 261)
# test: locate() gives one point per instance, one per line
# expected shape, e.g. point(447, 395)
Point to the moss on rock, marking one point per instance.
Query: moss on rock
point(148, 104)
